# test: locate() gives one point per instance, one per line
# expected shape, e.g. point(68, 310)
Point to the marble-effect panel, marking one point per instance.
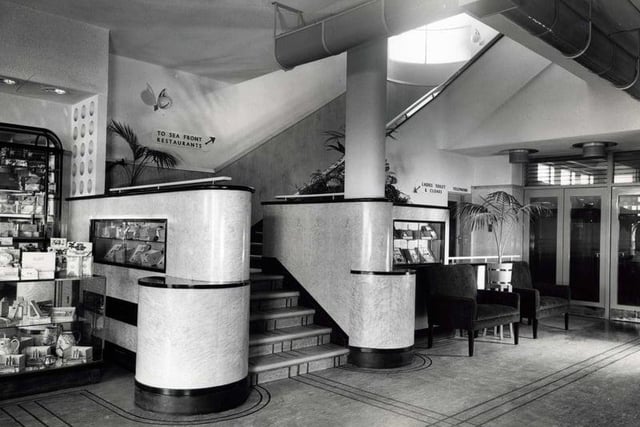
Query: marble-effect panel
point(121, 334)
point(192, 338)
point(372, 246)
point(382, 311)
point(208, 231)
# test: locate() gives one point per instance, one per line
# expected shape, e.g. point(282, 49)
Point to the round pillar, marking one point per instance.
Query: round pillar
point(366, 108)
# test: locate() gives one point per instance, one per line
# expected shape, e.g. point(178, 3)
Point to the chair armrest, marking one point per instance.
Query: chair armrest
point(529, 301)
point(549, 290)
point(457, 312)
point(498, 297)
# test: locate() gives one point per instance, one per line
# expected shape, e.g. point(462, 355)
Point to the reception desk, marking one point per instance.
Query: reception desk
point(167, 326)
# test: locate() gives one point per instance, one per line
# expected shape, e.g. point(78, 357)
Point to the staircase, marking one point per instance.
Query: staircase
point(284, 342)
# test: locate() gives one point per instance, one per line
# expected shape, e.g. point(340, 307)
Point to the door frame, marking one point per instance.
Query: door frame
point(563, 233)
point(615, 240)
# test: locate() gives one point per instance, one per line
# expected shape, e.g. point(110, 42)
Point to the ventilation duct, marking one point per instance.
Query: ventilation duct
point(368, 21)
point(601, 35)
point(519, 155)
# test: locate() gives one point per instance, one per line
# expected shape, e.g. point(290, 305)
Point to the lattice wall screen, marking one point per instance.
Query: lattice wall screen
point(84, 151)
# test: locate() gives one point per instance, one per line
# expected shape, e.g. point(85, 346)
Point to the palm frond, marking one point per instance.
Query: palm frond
point(125, 132)
point(160, 158)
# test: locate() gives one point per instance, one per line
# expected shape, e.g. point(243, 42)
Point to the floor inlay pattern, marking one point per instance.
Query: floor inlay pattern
point(60, 409)
point(584, 376)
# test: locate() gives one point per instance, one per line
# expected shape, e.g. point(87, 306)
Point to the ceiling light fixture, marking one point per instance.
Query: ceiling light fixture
point(8, 81)
point(55, 90)
point(594, 149)
point(519, 155)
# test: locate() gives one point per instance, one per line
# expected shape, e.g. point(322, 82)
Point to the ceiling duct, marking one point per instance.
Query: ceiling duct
point(601, 35)
point(368, 21)
point(519, 155)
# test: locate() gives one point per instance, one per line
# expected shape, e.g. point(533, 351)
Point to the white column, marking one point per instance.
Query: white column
point(365, 121)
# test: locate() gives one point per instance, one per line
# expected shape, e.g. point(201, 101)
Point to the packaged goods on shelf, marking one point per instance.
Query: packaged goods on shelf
point(136, 258)
point(80, 248)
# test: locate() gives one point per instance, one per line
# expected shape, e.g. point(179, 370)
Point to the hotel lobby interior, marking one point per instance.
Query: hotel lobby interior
point(301, 213)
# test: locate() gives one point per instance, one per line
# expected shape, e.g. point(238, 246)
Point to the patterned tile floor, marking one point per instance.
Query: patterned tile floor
point(588, 376)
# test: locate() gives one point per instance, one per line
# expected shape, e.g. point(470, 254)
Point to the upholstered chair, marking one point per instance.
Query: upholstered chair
point(453, 301)
point(539, 300)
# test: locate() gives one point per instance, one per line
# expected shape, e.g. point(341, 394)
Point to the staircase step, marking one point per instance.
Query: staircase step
point(256, 248)
point(268, 320)
point(286, 339)
point(264, 282)
point(262, 300)
point(253, 270)
point(287, 364)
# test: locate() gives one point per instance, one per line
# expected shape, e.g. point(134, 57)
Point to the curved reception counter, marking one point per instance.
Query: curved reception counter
point(184, 320)
point(193, 345)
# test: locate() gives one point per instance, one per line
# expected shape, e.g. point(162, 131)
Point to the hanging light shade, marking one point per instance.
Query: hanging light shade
point(594, 149)
point(519, 155)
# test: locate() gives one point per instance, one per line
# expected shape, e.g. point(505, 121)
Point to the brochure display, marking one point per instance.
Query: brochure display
point(418, 242)
point(137, 243)
point(51, 334)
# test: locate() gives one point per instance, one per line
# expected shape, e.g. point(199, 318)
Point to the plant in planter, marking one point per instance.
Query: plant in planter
point(499, 213)
point(333, 181)
point(142, 155)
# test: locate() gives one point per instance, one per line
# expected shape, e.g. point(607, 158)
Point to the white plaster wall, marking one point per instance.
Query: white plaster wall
point(240, 116)
point(36, 112)
point(558, 108)
point(415, 158)
point(47, 48)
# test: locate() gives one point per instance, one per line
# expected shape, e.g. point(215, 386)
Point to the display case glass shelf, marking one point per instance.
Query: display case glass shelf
point(134, 243)
point(418, 242)
point(30, 176)
point(49, 325)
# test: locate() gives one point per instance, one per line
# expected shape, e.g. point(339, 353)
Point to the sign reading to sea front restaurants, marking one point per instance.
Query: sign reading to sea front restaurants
point(184, 140)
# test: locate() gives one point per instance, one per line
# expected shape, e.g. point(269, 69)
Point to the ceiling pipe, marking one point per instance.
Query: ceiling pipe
point(367, 21)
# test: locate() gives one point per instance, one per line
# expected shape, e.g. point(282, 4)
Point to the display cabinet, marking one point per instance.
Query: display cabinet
point(51, 334)
point(418, 242)
point(134, 243)
point(30, 185)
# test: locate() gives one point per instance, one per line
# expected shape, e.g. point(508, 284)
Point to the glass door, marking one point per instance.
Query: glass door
point(625, 244)
point(569, 246)
point(544, 245)
point(585, 247)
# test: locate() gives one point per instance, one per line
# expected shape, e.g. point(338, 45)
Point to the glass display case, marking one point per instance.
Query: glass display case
point(50, 327)
point(30, 185)
point(134, 243)
point(418, 242)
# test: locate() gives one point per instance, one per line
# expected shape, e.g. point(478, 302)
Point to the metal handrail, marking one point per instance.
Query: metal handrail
point(482, 258)
point(401, 118)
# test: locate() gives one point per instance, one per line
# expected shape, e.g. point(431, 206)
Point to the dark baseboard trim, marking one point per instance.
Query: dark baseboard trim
point(380, 358)
point(121, 310)
point(113, 353)
point(192, 402)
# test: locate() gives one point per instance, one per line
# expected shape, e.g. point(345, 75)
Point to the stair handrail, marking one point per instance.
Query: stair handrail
point(422, 102)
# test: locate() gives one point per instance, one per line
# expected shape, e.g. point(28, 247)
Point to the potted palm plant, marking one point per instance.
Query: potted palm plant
point(498, 213)
point(142, 155)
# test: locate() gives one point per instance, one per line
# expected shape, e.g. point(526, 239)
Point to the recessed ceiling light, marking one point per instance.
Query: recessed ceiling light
point(8, 81)
point(55, 90)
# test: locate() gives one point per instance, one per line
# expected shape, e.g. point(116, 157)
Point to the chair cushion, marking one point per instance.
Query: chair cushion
point(495, 311)
point(551, 302)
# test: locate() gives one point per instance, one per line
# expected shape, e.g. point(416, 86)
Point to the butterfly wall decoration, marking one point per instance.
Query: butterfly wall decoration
point(161, 102)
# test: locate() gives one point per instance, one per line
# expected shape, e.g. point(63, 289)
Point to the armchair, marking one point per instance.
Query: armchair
point(539, 300)
point(453, 301)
